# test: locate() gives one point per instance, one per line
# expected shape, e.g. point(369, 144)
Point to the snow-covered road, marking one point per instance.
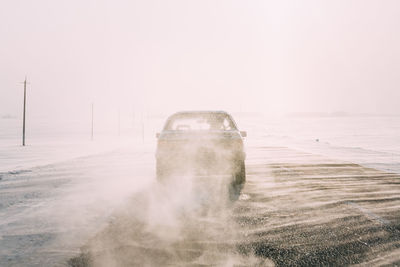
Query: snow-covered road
point(64, 197)
point(296, 208)
point(47, 212)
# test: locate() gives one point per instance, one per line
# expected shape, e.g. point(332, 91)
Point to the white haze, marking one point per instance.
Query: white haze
point(162, 56)
point(136, 60)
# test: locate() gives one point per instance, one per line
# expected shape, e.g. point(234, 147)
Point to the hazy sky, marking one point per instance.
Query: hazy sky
point(271, 56)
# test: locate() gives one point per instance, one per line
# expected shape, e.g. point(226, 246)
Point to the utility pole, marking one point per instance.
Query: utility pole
point(142, 128)
point(23, 118)
point(119, 122)
point(133, 116)
point(92, 123)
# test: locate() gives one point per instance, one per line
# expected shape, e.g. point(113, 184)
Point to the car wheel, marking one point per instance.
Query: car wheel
point(240, 173)
point(239, 178)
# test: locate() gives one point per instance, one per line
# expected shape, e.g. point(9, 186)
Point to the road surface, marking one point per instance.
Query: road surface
point(295, 209)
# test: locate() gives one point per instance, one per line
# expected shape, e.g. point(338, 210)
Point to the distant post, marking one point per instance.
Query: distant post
point(133, 117)
point(23, 117)
point(142, 129)
point(92, 124)
point(119, 122)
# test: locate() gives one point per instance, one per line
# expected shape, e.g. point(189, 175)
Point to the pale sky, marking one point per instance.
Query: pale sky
point(164, 56)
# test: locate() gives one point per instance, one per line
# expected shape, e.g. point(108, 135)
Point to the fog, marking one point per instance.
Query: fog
point(273, 57)
point(301, 77)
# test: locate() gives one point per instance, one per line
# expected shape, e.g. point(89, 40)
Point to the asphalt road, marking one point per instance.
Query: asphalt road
point(296, 209)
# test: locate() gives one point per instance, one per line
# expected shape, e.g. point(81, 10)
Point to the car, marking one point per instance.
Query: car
point(201, 143)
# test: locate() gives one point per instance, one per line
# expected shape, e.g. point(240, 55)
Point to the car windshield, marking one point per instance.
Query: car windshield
point(200, 122)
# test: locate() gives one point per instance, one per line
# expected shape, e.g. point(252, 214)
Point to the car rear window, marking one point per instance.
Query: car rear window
point(200, 122)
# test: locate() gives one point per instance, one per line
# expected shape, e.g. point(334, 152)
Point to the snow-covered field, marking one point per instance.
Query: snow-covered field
point(372, 141)
point(369, 140)
point(60, 189)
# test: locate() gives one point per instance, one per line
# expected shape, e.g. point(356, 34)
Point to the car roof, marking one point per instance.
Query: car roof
point(188, 112)
point(201, 112)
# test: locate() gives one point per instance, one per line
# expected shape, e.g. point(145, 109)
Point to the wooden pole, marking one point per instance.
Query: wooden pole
point(92, 122)
point(119, 122)
point(23, 118)
point(142, 131)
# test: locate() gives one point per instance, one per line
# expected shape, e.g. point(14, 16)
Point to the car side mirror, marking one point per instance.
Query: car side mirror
point(157, 135)
point(243, 133)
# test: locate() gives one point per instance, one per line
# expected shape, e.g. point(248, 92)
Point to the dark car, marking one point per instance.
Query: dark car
point(201, 143)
